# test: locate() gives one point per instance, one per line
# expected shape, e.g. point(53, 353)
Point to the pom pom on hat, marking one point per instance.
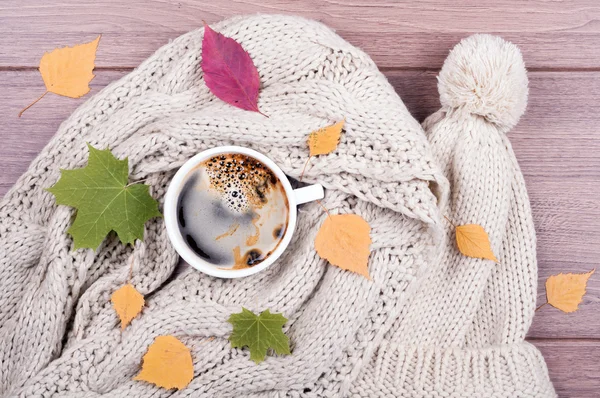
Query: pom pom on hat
point(486, 76)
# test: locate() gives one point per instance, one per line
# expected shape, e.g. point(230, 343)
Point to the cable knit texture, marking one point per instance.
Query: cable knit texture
point(420, 327)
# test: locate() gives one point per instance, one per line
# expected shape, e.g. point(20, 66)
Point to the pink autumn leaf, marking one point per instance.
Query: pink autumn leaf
point(229, 72)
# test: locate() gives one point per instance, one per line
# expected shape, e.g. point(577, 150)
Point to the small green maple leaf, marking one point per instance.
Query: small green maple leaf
point(104, 200)
point(259, 333)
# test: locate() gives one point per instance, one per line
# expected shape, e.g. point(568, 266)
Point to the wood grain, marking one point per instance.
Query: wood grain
point(556, 144)
point(573, 366)
point(552, 34)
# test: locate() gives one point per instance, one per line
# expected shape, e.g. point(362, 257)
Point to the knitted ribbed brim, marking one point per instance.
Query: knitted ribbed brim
point(512, 370)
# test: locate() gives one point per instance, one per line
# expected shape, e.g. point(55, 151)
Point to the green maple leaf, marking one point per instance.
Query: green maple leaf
point(259, 333)
point(104, 200)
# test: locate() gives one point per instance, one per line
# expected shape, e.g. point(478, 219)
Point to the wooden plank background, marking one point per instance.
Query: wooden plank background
point(557, 142)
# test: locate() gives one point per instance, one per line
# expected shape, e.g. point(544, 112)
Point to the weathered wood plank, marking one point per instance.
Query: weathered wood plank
point(552, 34)
point(556, 144)
point(573, 366)
point(23, 138)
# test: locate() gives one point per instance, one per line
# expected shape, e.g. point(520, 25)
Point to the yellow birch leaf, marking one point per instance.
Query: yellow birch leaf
point(344, 241)
point(168, 364)
point(325, 140)
point(128, 303)
point(67, 71)
point(565, 291)
point(473, 241)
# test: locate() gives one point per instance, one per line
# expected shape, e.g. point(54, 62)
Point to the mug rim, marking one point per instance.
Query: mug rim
point(172, 225)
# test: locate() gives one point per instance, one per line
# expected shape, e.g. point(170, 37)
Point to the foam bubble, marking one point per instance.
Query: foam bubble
point(243, 181)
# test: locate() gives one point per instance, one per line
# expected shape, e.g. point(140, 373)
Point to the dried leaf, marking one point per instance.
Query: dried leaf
point(344, 241)
point(128, 303)
point(259, 333)
point(326, 139)
point(473, 241)
point(67, 71)
point(229, 72)
point(168, 364)
point(565, 291)
point(104, 200)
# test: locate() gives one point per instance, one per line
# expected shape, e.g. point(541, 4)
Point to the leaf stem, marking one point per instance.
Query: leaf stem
point(450, 221)
point(304, 168)
point(324, 208)
point(33, 103)
point(540, 307)
point(135, 182)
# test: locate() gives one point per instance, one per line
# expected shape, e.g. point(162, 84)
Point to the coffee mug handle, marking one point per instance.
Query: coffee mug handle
point(309, 193)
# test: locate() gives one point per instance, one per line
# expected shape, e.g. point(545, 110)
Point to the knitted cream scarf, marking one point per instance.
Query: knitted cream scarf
point(59, 335)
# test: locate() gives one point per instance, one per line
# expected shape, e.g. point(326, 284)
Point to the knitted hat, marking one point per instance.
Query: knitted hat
point(462, 334)
point(59, 334)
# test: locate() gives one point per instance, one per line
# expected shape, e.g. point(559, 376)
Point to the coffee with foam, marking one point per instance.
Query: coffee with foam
point(232, 211)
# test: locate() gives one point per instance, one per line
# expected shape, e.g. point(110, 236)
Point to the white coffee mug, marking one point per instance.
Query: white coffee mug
point(294, 197)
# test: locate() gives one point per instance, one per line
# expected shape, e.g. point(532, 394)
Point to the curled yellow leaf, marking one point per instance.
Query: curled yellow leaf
point(565, 291)
point(473, 241)
point(325, 140)
point(167, 364)
point(128, 303)
point(344, 241)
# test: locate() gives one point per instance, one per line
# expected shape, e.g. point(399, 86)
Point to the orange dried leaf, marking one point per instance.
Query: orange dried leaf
point(473, 241)
point(325, 140)
point(344, 241)
point(565, 291)
point(128, 303)
point(168, 364)
point(67, 71)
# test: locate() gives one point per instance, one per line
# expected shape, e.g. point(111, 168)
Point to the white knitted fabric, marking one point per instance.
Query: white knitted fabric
point(406, 332)
point(462, 334)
